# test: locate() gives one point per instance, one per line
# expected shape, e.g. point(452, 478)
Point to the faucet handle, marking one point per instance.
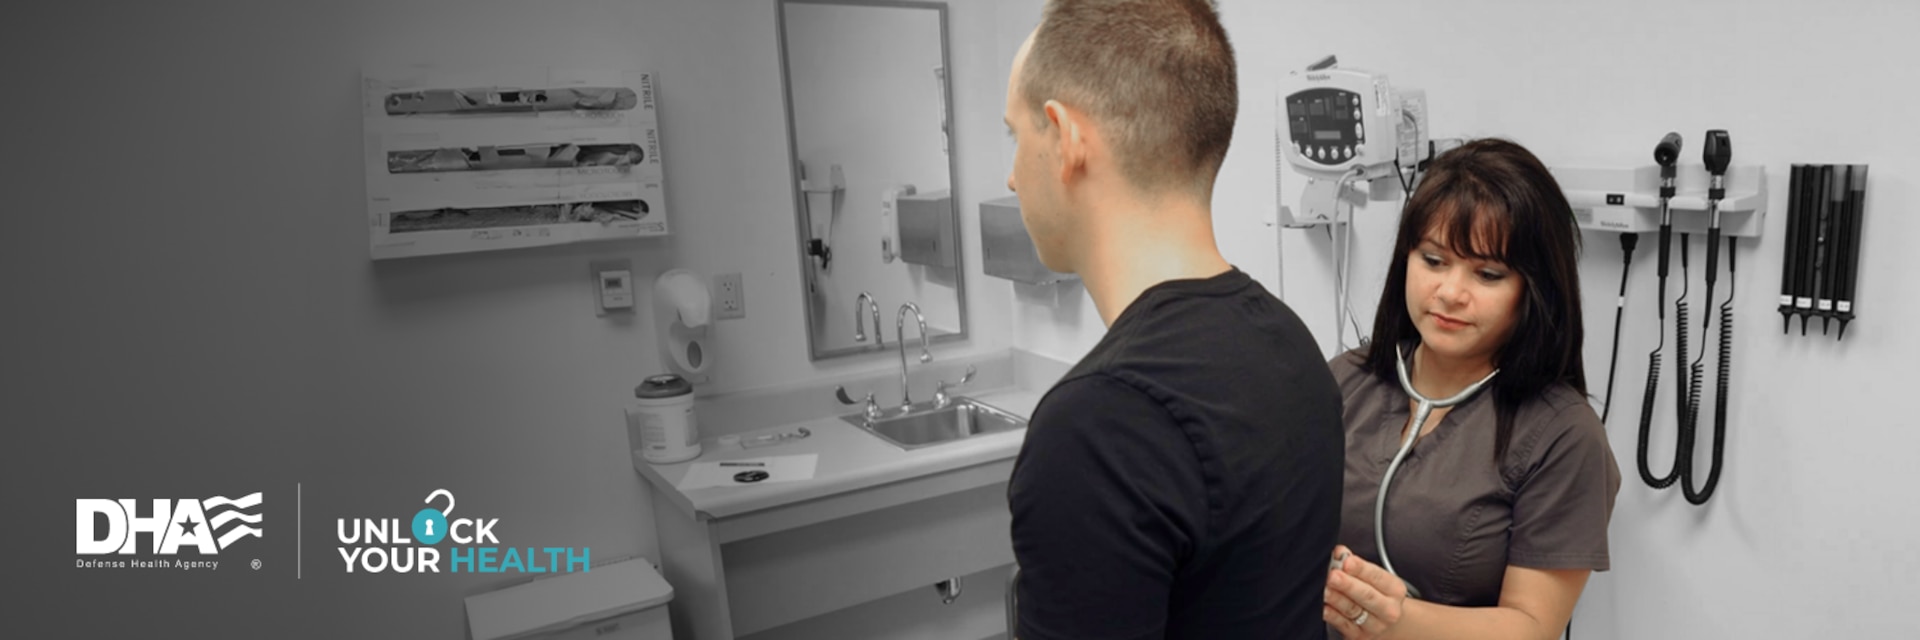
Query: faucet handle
point(940, 398)
point(872, 408)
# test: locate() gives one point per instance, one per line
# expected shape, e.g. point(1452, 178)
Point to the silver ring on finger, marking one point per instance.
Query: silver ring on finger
point(1361, 620)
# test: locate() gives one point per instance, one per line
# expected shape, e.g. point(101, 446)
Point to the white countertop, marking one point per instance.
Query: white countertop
point(850, 459)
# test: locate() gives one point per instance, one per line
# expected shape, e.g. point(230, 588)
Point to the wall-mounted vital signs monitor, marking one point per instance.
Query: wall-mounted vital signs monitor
point(1341, 126)
point(1328, 123)
point(1344, 130)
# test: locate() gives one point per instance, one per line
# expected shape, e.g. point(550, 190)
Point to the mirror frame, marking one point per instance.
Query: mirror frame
point(801, 232)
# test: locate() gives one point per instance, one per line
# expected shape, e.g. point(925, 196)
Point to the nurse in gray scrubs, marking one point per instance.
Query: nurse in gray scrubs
point(1498, 513)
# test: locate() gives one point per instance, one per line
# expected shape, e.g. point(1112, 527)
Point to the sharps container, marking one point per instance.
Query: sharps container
point(660, 423)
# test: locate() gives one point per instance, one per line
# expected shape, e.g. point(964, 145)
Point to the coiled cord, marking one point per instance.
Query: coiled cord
point(1688, 410)
point(1687, 394)
point(1653, 374)
point(1696, 372)
point(1646, 422)
point(1721, 393)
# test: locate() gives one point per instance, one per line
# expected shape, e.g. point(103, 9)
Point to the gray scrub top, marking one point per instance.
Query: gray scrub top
point(1454, 519)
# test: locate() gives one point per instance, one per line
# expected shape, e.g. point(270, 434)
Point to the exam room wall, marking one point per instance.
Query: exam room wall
point(1809, 534)
point(192, 311)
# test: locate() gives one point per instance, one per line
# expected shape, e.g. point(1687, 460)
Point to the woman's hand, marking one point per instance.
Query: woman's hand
point(1363, 601)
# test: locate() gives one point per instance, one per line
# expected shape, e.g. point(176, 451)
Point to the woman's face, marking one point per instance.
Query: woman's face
point(1463, 307)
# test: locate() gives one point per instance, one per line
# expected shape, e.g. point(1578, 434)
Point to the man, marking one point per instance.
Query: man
point(1183, 479)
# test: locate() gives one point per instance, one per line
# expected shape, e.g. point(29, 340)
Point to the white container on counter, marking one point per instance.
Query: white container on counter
point(660, 423)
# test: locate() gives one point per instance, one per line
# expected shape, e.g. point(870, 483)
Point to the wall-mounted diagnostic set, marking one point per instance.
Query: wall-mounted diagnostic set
point(1715, 198)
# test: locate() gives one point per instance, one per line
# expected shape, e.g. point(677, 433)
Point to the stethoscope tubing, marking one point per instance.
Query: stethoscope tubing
point(1424, 408)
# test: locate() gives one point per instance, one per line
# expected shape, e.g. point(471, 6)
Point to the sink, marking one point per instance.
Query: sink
point(924, 425)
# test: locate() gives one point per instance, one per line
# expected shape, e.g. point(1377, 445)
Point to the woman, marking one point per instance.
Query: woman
point(1498, 513)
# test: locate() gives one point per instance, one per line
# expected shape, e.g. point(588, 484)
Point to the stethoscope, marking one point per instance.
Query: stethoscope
point(1420, 413)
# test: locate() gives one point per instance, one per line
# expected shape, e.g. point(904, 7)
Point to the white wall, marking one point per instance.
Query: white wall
point(191, 309)
point(865, 98)
point(1810, 532)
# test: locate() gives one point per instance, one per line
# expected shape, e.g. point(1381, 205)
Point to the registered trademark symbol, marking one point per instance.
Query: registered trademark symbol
point(255, 564)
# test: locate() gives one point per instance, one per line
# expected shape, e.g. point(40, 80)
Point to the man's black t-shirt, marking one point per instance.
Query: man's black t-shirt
point(1183, 480)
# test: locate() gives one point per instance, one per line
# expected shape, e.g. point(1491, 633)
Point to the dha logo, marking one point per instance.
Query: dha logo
point(205, 525)
point(378, 545)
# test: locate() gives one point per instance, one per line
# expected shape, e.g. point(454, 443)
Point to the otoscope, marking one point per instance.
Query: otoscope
point(1666, 154)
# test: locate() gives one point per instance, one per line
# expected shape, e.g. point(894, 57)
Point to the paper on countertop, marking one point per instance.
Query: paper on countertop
point(734, 473)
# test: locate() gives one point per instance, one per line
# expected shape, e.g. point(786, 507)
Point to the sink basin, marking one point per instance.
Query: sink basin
point(923, 425)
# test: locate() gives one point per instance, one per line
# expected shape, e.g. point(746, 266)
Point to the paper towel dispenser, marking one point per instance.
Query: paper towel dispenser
point(926, 229)
point(1005, 248)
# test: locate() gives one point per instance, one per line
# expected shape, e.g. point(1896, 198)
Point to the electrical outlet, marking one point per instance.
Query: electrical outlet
point(729, 298)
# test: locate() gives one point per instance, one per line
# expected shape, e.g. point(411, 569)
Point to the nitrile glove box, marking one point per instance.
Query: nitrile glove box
point(619, 601)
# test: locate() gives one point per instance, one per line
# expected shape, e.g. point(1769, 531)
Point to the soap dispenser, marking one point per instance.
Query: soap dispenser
point(683, 310)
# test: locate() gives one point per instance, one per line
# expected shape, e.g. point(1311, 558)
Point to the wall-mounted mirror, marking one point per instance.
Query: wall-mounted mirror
point(869, 123)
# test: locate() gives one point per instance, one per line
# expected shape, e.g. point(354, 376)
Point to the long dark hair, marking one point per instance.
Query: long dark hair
point(1495, 201)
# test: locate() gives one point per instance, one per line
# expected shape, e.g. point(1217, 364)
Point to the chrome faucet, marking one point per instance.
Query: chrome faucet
point(865, 302)
point(900, 335)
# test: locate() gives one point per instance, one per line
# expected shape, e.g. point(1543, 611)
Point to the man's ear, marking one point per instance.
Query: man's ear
point(1070, 138)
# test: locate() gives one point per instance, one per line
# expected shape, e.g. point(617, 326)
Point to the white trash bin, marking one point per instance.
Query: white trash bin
point(620, 601)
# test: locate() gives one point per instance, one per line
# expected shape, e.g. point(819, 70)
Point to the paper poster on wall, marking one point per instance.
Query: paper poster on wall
point(504, 158)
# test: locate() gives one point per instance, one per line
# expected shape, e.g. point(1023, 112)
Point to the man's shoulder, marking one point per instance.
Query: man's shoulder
point(1250, 325)
point(1097, 391)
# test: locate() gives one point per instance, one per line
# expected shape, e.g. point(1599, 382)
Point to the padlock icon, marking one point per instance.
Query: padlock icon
point(430, 525)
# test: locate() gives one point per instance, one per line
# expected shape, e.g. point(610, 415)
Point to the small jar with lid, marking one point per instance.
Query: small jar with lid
point(661, 424)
